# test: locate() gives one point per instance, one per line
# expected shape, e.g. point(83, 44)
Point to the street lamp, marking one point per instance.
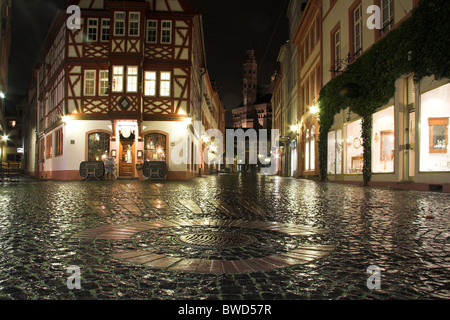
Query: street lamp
point(2, 95)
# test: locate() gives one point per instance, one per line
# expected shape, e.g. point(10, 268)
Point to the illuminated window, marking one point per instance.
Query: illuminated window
point(98, 145)
point(434, 123)
point(92, 33)
point(89, 82)
point(155, 147)
point(152, 31)
point(104, 82)
point(132, 79)
point(59, 142)
point(119, 24)
point(165, 84)
point(150, 83)
point(117, 85)
point(48, 146)
point(166, 32)
point(134, 23)
point(383, 141)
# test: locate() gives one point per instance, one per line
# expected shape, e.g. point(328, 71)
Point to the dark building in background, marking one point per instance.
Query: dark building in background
point(255, 112)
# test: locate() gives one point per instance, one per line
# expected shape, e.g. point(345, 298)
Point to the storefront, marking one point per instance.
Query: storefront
point(409, 140)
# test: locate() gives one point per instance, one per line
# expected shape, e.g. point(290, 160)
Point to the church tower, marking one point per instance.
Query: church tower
point(250, 79)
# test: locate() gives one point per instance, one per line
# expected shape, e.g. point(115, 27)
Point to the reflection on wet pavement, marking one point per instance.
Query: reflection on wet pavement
point(300, 240)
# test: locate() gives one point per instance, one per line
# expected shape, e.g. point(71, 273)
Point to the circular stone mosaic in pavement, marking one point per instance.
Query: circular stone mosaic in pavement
point(212, 246)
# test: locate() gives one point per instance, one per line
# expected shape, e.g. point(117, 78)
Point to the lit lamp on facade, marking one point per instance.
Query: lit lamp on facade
point(314, 109)
point(2, 95)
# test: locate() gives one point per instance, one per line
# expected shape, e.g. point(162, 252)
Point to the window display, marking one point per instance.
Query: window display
point(383, 141)
point(332, 152)
point(434, 123)
point(98, 146)
point(155, 147)
point(354, 150)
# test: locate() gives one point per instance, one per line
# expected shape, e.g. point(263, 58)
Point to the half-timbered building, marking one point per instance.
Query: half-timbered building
point(125, 85)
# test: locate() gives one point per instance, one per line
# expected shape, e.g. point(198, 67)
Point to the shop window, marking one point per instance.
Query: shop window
point(354, 149)
point(155, 147)
point(383, 141)
point(98, 146)
point(434, 122)
point(332, 152)
point(438, 134)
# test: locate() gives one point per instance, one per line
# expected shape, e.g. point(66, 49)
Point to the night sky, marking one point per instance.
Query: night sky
point(230, 27)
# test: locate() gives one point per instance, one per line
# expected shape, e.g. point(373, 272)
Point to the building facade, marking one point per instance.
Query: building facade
point(286, 97)
point(410, 132)
point(308, 40)
point(5, 49)
point(127, 85)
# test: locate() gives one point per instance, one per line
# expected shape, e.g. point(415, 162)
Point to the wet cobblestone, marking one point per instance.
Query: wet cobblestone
point(367, 226)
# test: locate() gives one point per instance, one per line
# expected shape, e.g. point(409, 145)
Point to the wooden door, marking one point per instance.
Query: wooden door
point(126, 162)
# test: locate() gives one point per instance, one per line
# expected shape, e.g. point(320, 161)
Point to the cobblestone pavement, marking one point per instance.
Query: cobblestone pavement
point(221, 237)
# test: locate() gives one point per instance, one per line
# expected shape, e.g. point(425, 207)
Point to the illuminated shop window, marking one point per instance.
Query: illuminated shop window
point(155, 147)
point(332, 152)
point(98, 146)
point(353, 148)
point(383, 141)
point(434, 123)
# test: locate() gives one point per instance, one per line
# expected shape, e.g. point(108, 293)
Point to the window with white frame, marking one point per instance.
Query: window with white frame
point(89, 82)
point(166, 32)
point(134, 24)
point(106, 27)
point(357, 30)
point(92, 32)
point(132, 79)
point(117, 85)
point(103, 83)
point(152, 31)
point(119, 24)
point(337, 50)
point(165, 84)
point(387, 14)
point(150, 83)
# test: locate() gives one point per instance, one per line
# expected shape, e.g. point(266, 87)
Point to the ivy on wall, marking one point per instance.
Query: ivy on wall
point(420, 45)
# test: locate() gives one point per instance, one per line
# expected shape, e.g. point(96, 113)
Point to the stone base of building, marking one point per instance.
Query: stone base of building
point(445, 188)
point(74, 175)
